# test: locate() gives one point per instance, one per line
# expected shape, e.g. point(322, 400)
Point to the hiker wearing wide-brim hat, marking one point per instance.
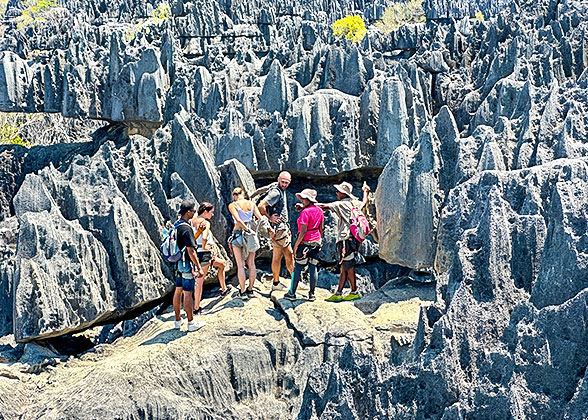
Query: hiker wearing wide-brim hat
point(345, 188)
point(308, 244)
point(347, 244)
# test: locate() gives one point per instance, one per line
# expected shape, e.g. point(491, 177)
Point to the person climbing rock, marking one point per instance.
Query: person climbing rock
point(347, 244)
point(187, 268)
point(204, 242)
point(308, 243)
point(275, 207)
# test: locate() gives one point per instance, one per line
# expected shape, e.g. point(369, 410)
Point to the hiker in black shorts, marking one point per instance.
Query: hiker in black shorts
point(347, 245)
point(187, 268)
point(204, 242)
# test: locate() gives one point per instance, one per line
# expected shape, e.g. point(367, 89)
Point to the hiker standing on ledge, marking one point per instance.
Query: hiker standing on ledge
point(275, 207)
point(347, 244)
point(187, 267)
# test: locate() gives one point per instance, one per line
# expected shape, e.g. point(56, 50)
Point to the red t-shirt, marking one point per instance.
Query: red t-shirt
point(311, 216)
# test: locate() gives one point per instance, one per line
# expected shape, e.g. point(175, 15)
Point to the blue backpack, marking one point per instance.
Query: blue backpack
point(169, 245)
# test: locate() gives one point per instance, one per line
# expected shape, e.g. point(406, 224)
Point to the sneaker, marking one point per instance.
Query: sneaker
point(177, 324)
point(195, 325)
point(278, 286)
point(335, 298)
point(199, 311)
point(250, 294)
point(226, 291)
point(311, 297)
point(243, 295)
point(290, 296)
point(303, 286)
point(351, 296)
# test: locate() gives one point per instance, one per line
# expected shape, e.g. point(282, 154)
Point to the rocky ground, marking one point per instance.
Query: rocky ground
point(251, 360)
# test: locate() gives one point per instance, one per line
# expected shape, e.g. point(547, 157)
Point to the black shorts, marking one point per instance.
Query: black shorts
point(204, 256)
point(347, 252)
point(307, 254)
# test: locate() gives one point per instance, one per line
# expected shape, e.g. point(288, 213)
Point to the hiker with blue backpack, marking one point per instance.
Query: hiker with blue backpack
point(352, 229)
point(179, 247)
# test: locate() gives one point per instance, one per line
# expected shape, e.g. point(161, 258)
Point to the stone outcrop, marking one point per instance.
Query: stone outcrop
point(253, 356)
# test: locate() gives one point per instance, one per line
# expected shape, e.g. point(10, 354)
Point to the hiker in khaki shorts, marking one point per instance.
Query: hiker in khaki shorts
point(275, 207)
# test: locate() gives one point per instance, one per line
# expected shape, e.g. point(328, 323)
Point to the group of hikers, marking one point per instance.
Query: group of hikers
point(195, 242)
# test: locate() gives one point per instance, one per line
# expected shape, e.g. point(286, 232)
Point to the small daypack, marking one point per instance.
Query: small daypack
point(169, 245)
point(360, 228)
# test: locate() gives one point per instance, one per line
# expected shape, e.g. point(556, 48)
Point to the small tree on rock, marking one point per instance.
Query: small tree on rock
point(351, 27)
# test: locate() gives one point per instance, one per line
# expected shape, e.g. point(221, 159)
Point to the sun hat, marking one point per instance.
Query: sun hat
point(345, 188)
point(307, 193)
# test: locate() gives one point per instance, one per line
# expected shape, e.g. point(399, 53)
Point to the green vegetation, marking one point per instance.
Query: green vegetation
point(158, 16)
point(3, 7)
point(351, 27)
point(35, 12)
point(401, 13)
point(479, 16)
point(10, 125)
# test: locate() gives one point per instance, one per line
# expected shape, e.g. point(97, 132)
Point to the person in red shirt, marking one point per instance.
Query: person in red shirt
point(308, 244)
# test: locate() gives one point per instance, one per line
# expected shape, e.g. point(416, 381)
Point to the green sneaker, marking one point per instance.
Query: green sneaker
point(351, 296)
point(335, 298)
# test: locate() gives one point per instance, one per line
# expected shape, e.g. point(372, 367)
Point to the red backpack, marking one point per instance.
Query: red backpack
point(360, 228)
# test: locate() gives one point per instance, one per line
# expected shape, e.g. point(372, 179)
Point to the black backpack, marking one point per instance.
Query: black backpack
point(259, 195)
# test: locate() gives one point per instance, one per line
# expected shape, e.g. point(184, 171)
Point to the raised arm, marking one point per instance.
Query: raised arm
point(366, 190)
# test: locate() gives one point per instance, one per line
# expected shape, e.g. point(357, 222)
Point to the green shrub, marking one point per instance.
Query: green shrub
point(9, 134)
point(479, 16)
point(401, 13)
point(158, 16)
point(3, 6)
point(351, 27)
point(35, 12)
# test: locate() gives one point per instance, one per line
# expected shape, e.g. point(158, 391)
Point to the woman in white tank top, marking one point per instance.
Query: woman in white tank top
point(243, 212)
point(204, 243)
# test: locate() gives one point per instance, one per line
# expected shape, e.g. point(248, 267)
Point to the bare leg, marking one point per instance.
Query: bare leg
point(198, 287)
point(177, 302)
point(188, 305)
point(221, 264)
point(276, 263)
point(240, 267)
point(351, 277)
point(289, 258)
point(342, 280)
point(252, 269)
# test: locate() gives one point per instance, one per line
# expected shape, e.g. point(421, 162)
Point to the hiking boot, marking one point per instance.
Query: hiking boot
point(177, 324)
point(278, 286)
point(243, 295)
point(250, 294)
point(311, 297)
point(290, 296)
point(195, 325)
point(225, 292)
point(352, 296)
point(335, 298)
